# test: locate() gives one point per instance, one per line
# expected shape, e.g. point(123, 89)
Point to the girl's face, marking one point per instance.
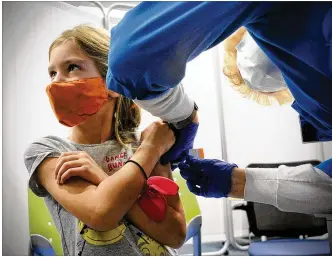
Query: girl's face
point(68, 63)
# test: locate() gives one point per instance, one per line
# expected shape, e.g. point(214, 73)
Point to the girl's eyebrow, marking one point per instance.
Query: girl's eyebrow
point(69, 60)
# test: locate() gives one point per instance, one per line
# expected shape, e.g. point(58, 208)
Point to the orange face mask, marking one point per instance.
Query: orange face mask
point(75, 101)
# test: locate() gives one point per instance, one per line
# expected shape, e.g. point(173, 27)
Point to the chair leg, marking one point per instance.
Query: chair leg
point(30, 251)
point(329, 230)
point(197, 244)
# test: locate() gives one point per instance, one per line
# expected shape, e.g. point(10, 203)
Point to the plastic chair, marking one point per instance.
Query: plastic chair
point(40, 246)
point(289, 227)
point(267, 220)
point(192, 213)
point(44, 238)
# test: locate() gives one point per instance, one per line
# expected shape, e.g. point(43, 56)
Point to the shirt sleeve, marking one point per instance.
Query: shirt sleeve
point(152, 44)
point(34, 155)
point(173, 106)
point(301, 189)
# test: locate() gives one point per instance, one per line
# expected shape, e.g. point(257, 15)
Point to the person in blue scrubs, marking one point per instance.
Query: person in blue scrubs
point(153, 43)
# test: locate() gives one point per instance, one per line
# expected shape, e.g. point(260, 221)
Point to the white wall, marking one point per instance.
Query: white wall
point(28, 30)
point(327, 148)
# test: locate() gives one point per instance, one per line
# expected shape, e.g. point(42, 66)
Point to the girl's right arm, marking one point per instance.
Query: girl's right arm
point(102, 207)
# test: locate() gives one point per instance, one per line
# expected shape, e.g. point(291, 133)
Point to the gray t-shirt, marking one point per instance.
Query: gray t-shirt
point(126, 239)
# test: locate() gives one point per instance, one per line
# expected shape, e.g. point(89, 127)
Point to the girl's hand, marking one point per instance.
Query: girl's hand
point(159, 136)
point(78, 164)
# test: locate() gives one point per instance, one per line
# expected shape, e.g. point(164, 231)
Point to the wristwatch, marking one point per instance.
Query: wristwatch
point(184, 123)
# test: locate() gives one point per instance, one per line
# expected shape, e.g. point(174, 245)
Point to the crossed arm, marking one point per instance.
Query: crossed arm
point(102, 203)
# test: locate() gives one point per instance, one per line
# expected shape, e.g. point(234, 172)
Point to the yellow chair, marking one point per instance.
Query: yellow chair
point(44, 238)
point(192, 213)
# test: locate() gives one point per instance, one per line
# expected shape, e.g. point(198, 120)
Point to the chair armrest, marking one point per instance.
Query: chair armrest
point(240, 206)
point(326, 216)
point(194, 227)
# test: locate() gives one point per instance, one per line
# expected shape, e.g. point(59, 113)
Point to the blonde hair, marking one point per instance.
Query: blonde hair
point(233, 74)
point(95, 43)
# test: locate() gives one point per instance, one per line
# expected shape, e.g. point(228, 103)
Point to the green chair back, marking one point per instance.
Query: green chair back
point(188, 199)
point(41, 223)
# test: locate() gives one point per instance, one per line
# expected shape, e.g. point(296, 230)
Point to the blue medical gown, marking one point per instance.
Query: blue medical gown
point(152, 44)
point(326, 167)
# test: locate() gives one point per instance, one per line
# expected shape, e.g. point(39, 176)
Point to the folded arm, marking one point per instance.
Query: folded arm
point(101, 207)
point(174, 222)
point(101, 201)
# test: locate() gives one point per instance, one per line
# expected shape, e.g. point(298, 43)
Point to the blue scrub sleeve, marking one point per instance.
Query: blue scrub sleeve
point(326, 167)
point(310, 133)
point(152, 44)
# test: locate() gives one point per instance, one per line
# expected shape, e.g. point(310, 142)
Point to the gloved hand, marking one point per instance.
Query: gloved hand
point(183, 143)
point(153, 199)
point(213, 177)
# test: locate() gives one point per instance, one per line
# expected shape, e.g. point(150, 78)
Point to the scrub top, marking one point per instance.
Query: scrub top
point(152, 44)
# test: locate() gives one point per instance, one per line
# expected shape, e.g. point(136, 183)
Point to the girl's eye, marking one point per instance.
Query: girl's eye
point(52, 74)
point(73, 67)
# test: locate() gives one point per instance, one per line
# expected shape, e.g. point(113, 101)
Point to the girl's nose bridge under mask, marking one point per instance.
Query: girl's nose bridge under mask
point(74, 101)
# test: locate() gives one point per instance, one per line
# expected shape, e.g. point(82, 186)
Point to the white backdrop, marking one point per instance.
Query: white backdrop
point(28, 30)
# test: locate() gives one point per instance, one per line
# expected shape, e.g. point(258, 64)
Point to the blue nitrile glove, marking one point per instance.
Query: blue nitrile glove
point(326, 167)
point(174, 166)
point(213, 177)
point(184, 141)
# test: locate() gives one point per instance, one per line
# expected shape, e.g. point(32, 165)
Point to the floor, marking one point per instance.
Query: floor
point(187, 249)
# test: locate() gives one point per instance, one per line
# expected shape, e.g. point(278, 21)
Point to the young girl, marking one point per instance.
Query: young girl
point(87, 185)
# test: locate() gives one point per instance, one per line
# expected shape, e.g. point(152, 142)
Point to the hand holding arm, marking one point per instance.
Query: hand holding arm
point(174, 222)
point(183, 143)
point(102, 207)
